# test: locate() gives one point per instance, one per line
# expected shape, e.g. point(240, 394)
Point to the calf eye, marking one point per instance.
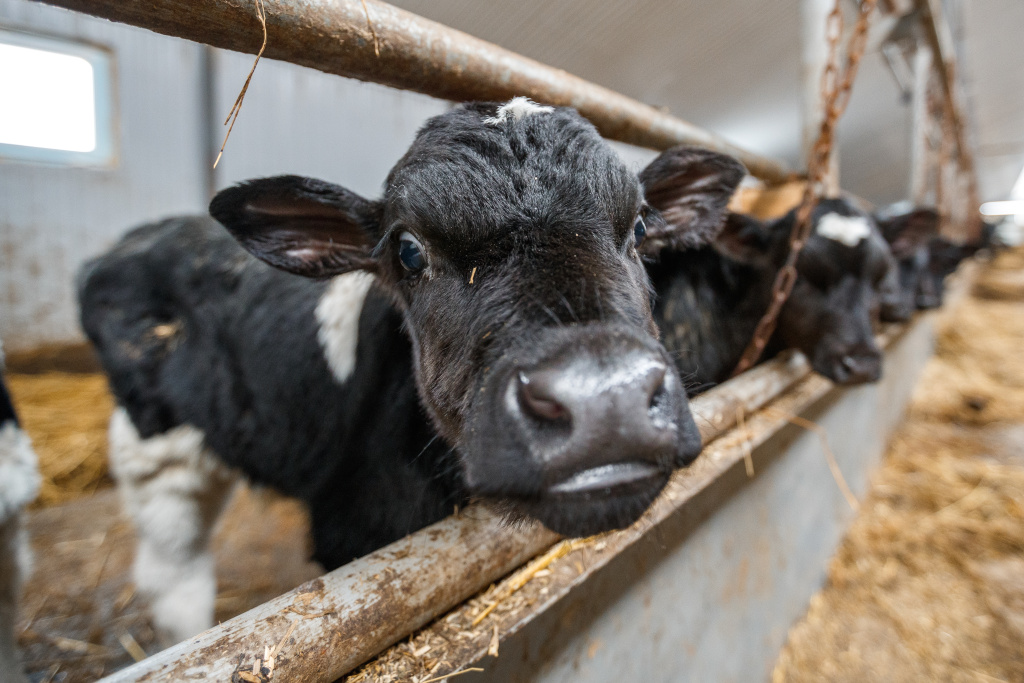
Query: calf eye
point(639, 231)
point(410, 253)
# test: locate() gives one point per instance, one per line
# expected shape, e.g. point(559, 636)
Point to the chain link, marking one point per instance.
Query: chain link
point(835, 90)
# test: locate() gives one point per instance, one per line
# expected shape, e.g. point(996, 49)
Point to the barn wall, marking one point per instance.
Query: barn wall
point(294, 120)
point(53, 217)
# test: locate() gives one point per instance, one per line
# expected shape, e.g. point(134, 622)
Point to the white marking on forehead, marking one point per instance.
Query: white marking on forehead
point(515, 109)
point(338, 313)
point(848, 230)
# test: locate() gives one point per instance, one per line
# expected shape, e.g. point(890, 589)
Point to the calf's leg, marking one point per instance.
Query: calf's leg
point(14, 566)
point(19, 484)
point(173, 488)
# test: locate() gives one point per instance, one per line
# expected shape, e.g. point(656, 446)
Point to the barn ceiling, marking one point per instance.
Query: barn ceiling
point(732, 66)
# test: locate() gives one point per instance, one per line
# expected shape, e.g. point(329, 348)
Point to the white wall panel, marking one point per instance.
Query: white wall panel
point(52, 218)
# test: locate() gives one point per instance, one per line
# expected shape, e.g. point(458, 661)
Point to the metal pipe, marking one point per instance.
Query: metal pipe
point(920, 152)
point(343, 38)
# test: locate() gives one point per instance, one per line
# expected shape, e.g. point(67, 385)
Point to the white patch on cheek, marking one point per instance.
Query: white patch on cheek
point(338, 315)
point(848, 230)
point(515, 109)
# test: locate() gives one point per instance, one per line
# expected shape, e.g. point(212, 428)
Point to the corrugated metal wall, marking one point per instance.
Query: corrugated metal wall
point(294, 121)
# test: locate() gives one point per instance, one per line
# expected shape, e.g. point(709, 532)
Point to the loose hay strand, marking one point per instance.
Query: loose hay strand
point(131, 646)
point(457, 673)
point(236, 108)
point(748, 460)
point(524, 575)
point(373, 32)
point(830, 457)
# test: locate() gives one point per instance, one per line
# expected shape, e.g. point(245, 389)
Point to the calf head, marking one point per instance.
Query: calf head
point(508, 238)
point(943, 258)
point(909, 235)
point(830, 313)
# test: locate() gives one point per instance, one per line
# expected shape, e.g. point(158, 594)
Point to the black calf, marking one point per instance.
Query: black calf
point(710, 299)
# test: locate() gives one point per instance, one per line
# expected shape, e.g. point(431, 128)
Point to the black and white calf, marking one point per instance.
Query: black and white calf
point(19, 484)
point(710, 299)
point(910, 233)
point(944, 257)
point(483, 330)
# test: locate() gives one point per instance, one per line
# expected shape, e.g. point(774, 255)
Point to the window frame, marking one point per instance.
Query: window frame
point(101, 59)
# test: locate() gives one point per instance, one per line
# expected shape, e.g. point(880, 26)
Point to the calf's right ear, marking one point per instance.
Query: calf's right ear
point(301, 225)
point(690, 187)
point(908, 232)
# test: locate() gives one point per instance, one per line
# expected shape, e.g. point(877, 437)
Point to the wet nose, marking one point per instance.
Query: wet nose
point(859, 368)
point(580, 417)
point(553, 395)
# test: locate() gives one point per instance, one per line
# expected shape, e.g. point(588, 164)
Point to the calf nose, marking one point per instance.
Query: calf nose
point(859, 368)
point(580, 415)
point(553, 395)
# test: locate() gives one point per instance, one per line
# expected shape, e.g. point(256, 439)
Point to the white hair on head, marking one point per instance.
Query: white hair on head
point(515, 109)
point(848, 230)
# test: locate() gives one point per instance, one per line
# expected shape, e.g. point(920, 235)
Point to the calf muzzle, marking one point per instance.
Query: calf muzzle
point(593, 429)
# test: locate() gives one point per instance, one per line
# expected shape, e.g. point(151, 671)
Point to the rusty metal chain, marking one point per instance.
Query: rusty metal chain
point(835, 89)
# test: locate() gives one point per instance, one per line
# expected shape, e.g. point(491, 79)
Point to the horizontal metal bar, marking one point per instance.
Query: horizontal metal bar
point(383, 44)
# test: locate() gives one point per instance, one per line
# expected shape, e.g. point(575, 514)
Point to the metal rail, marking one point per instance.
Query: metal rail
point(937, 33)
point(344, 37)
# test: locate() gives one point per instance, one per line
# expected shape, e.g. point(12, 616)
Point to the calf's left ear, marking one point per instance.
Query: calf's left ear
point(690, 187)
point(301, 225)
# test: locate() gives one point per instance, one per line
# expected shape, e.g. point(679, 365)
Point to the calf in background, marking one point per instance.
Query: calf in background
point(482, 330)
point(711, 298)
point(19, 484)
point(910, 234)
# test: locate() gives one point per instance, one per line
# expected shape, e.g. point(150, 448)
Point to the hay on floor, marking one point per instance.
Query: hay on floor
point(66, 414)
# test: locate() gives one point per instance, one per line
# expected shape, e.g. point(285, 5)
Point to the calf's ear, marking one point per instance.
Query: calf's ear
point(301, 225)
point(690, 187)
point(745, 239)
point(908, 232)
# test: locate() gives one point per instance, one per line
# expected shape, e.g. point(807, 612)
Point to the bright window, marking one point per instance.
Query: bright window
point(56, 104)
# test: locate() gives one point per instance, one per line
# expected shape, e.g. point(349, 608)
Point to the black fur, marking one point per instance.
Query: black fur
point(909, 235)
point(711, 299)
point(7, 413)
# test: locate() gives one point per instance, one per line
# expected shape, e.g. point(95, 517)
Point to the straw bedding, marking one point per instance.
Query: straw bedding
point(929, 583)
point(66, 414)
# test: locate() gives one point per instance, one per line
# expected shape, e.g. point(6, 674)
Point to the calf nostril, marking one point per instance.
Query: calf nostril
point(536, 397)
point(656, 388)
point(849, 363)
